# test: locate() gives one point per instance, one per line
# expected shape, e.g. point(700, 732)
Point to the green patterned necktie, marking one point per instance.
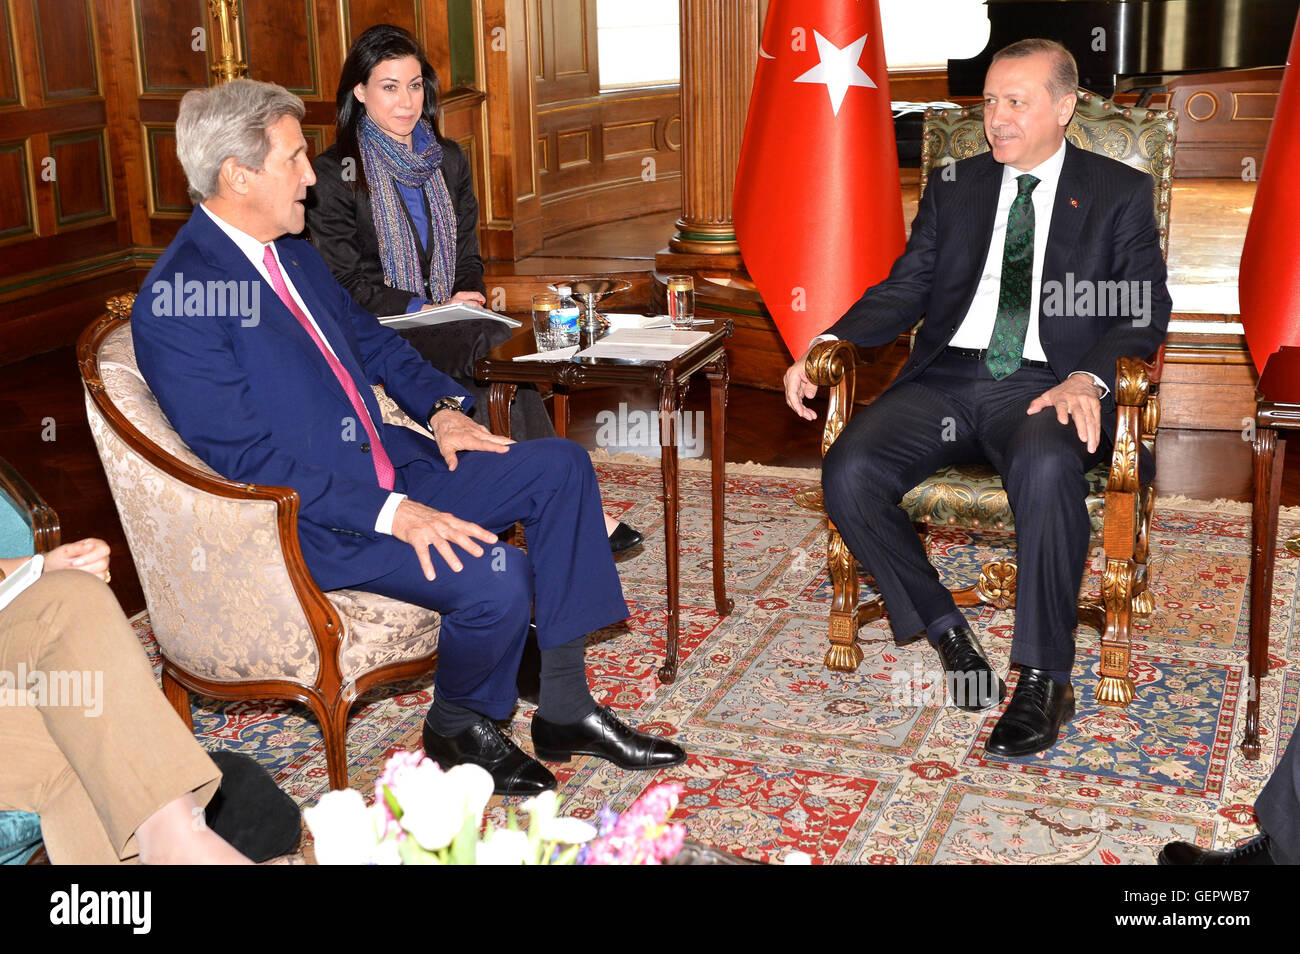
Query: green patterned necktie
point(1007, 344)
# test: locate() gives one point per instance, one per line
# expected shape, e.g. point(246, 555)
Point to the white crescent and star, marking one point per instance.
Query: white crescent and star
point(838, 69)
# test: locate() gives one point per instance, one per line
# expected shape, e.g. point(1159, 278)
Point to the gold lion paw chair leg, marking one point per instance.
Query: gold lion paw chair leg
point(235, 611)
point(972, 496)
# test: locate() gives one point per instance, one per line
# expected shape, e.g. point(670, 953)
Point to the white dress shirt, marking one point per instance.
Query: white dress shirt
point(254, 251)
point(976, 328)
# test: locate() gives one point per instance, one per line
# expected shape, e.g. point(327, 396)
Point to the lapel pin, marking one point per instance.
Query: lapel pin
point(1074, 202)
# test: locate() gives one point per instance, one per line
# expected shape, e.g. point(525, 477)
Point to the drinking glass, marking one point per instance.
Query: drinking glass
point(548, 336)
point(681, 301)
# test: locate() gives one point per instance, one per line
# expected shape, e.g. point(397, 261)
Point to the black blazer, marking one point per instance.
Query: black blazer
point(342, 227)
point(1103, 230)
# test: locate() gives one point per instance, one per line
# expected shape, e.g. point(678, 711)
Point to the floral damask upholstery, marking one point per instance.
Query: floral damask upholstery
point(225, 603)
point(971, 495)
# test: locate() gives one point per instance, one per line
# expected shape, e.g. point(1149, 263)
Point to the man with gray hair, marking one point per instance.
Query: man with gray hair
point(999, 374)
point(283, 396)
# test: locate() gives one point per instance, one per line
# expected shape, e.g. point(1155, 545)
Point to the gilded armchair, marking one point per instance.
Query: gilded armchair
point(235, 611)
point(972, 496)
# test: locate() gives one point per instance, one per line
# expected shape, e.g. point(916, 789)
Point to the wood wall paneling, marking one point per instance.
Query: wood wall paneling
point(568, 65)
point(318, 138)
point(10, 86)
point(167, 62)
point(573, 148)
point(82, 191)
point(361, 15)
point(68, 53)
point(280, 47)
point(169, 196)
point(17, 208)
point(632, 138)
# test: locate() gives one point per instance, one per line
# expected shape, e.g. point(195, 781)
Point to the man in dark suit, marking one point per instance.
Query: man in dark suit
point(1014, 364)
point(264, 365)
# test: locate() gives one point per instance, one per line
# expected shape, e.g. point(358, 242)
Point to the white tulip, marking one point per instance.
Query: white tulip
point(797, 858)
point(503, 847)
point(343, 828)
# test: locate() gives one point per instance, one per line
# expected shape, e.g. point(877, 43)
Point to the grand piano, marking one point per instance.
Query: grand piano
point(1124, 44)
point(1217, 63)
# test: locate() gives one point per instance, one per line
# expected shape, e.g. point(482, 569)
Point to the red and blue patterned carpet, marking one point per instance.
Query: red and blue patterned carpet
point(787, 755)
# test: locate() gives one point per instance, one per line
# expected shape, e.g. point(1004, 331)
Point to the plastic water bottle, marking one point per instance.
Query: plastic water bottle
point(565, 318)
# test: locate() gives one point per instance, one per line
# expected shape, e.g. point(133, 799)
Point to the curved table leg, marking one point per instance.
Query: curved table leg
point(718, 378)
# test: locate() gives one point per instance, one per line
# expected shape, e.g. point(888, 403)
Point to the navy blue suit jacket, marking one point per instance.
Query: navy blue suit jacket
point(255, 399)
point(1103, 230)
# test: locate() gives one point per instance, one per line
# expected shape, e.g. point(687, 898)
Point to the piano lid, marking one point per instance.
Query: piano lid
point(1112, 39)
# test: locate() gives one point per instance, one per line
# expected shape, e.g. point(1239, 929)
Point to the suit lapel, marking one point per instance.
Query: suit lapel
point(981, 203)
point(1068, 214)
point(330, 329)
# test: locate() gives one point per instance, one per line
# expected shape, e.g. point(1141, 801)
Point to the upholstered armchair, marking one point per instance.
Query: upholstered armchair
point(235, 611)
point(972, 496)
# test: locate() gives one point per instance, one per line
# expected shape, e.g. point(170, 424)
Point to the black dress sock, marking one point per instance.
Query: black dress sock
point(448, 718)
point(564, 696)
point(944, 623)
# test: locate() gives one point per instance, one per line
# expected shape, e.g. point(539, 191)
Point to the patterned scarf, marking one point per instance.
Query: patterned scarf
point(387, 162)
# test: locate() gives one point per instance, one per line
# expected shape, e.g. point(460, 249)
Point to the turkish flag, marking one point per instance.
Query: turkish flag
point(818, 208)
point(1269, 279)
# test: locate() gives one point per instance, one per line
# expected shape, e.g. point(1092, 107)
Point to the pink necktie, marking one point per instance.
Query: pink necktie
point(383, 466)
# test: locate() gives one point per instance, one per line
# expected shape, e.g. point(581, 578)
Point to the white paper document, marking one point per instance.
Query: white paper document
point(644, 345)
point(559, 354)
point(20, 579)
point(443, 314)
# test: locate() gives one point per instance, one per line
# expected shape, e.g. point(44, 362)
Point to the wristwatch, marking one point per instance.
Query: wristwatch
point(446, 404)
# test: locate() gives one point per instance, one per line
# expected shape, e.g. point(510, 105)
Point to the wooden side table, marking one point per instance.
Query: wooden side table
point(672, 378)
point(1277, 410)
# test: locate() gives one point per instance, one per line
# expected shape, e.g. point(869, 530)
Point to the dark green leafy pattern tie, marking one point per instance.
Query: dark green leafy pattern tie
point(1007, 345)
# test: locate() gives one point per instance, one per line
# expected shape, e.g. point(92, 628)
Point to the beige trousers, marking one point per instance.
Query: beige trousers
point(92, 746)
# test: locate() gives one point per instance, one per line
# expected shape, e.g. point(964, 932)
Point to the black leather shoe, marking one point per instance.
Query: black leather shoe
point(603, 735)
point(972, 683)
point(1252, 851)
point(624, 538)
point(484, 744)
point(528, 681)
point(1034, 716)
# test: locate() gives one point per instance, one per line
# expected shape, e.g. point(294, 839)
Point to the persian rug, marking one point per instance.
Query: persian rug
point(866, 767)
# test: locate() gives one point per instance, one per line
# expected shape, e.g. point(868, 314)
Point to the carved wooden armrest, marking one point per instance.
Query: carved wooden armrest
point(831, 364)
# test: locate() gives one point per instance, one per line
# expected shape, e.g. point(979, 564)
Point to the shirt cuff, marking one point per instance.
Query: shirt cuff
point(384, 522)
point(416, 304)
point(1095, 380)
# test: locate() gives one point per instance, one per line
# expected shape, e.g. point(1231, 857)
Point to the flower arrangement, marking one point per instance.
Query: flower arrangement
point(423, 815)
